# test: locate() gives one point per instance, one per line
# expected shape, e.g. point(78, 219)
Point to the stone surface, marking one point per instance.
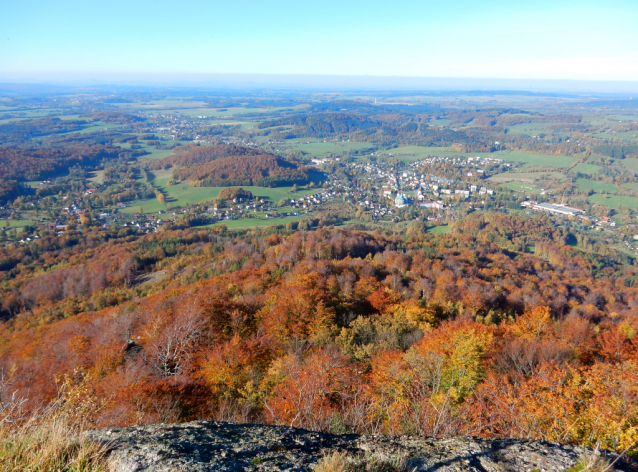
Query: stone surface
point(218, 446)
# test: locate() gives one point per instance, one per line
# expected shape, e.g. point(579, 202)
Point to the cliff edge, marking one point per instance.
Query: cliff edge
point(219, 446)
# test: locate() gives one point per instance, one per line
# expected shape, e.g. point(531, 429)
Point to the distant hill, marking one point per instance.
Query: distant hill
point(229, 165)
point(322, 124)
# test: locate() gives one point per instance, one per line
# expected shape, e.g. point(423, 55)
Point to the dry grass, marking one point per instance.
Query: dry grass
point(50, 439)
point(49, 445)
point(342, 462)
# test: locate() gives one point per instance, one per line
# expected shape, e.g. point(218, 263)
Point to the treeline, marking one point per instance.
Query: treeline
point(345, 331)
point(616, 151)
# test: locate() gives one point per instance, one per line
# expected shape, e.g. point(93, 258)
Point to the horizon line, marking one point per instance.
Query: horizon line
point(337, 82)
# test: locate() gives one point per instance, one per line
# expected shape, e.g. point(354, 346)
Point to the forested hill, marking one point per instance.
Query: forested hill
point(201, 154)
point(435, 335)
point(322, 124)
point(217, 166)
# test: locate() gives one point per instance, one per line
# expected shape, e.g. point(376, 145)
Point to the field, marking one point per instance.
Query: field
point(16, 223)
point(522, 187)
point(153, 153)
point(585, 184)
point(324, 149)
point(542, 178)
point(183, 194)
point(439, 229)
point(586, 168)
point(614, 201)
point(530, 129)
point(534, 161)
point(630, 164)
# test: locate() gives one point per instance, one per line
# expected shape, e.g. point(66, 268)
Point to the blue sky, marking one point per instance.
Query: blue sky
point(535, 39)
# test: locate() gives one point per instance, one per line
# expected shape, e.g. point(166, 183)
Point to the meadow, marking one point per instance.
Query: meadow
point(324, 149)
point(535, 161)
point(183, 194)
point(586, 168)
point(596, 186)
point(616, 202)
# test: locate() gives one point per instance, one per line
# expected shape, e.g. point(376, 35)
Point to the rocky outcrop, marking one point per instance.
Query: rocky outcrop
point(218, 446)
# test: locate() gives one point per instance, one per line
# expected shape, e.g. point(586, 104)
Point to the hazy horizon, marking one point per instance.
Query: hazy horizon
point(324, 82)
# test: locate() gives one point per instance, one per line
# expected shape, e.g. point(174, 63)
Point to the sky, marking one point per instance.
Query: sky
point(509, 39)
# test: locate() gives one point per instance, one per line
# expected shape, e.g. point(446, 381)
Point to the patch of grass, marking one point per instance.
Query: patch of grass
point(530, 160)
point(53, 446)
point(338, 461)
point(630, 164)
point(529, 177)
point(586, 184)
point(51, 438)
point(16, 223)
point(586, 168)
point(614, 201)
point(317, 148)
point(439, 229)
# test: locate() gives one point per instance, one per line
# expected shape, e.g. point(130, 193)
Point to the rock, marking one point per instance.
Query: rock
point(218, 446)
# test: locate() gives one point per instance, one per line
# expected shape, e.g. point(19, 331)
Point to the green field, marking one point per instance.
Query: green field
point(522, 187)
point(586, 184)
point(531, 161)
point(630, 164)
point(540, 178)
point(315, 148)
point(184, 194)
point(153, 153)
point(530, 129)
point(16, 223)
point(631, 186)
point(614, 201)
point(439, 229)
point(586, 168)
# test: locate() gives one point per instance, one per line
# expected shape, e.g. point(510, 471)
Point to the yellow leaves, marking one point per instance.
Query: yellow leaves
point(461, 346)
point(78, 344)
point(416, 316)
point(626, 329)
point(532, 324)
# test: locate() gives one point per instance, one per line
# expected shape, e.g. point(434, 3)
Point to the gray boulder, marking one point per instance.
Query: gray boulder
point(218, 446)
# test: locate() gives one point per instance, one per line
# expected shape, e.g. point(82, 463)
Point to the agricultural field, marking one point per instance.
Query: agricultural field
point(529, 129)
point(439, 229)
point(537, 161)
point(617, 202)
point(314, 148)
point(183, 194)
point(542, 178)
point(586, 184)
point(630, 164)
point(585, 168)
